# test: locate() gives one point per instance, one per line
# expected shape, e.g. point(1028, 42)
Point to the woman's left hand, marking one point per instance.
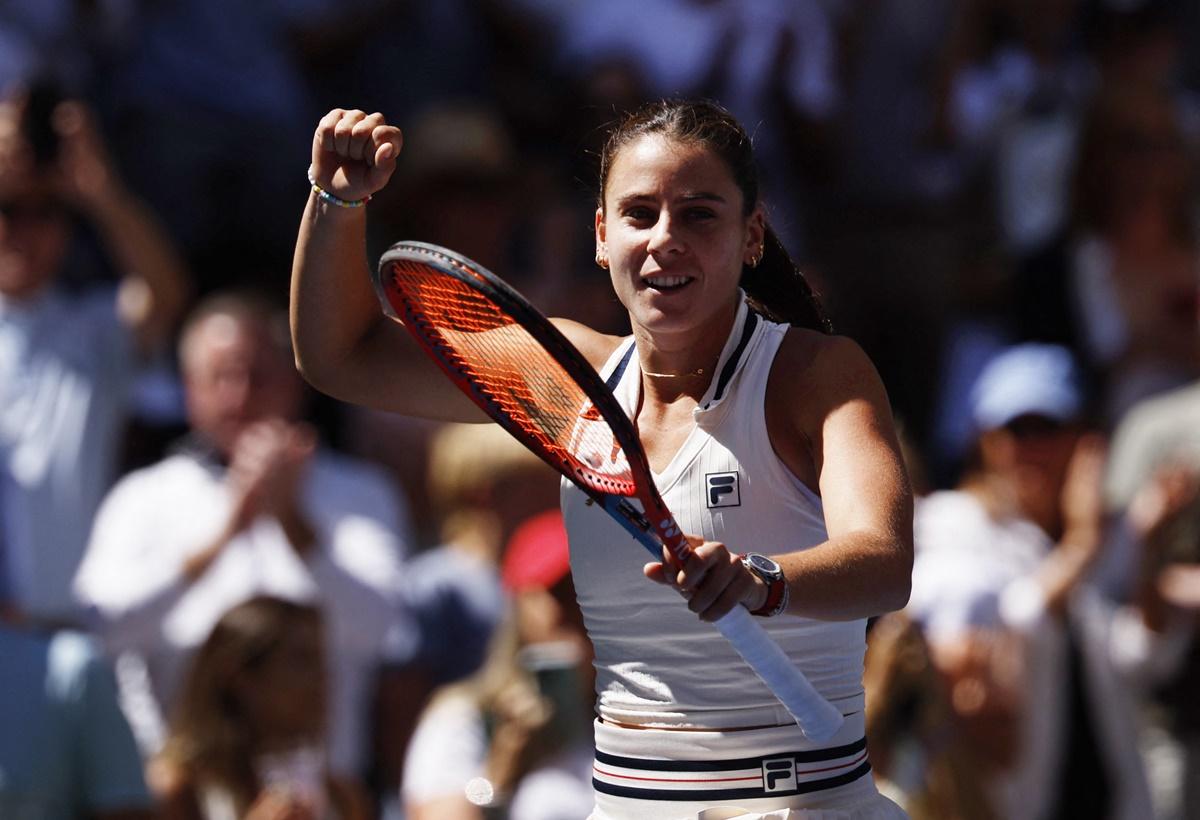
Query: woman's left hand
point(713, 580)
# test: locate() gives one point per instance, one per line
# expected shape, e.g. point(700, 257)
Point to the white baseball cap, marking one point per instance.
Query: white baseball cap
point(1027, 379)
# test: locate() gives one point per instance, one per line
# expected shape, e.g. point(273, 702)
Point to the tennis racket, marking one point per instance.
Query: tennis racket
point(520, 369)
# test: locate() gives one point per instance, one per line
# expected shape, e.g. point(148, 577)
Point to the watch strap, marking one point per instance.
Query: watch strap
point(777, 592)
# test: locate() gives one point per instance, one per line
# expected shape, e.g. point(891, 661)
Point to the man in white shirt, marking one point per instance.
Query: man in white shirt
point(248, 505)
point(68, 354)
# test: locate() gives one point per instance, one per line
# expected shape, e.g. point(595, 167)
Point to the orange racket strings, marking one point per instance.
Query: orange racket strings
point(488, 348)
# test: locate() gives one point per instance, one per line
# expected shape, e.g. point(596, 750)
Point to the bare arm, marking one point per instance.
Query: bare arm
point(344, 344)
point(830, 423)
point(155, 286)
point(595, 347)
point(1083, 526)
point(842, 411)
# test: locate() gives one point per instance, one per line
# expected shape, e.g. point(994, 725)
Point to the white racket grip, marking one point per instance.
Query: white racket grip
point(818, 718)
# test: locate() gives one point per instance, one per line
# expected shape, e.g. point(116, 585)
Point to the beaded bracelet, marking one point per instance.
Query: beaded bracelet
point(325, 196)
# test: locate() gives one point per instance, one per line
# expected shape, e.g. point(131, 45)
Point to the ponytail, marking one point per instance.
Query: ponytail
point(778, 290)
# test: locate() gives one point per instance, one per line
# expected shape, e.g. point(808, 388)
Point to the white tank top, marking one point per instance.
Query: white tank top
point(656, 662)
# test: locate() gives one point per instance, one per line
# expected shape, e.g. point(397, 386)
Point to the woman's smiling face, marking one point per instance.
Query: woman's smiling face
point(674, 230)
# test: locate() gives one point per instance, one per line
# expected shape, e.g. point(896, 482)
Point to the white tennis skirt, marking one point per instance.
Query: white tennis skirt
point(658, 774)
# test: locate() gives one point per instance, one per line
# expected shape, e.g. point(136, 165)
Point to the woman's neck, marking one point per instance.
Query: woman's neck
point(675, 365)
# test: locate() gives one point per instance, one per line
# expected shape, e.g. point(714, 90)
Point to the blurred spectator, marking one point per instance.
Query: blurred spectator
point(922, 758)
point(892, 139)
point(67, 355)
point(887, 223)
point(1153, 478)
point(195, 77)
point(1016, 100)
point(979, 326)
point(440, 51)
point(1042, 672)
point(516, 738)
point(66, 750)
point(463, 173)
point(773, 63)
point(1158, 433)
point(1136, 257)
point(249, 504)
point(1146, 42)
point(247, 738)
point(68, 39)
point(506, 210)
point(483, 484)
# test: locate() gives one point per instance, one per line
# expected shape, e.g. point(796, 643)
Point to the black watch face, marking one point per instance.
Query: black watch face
point(763, 564)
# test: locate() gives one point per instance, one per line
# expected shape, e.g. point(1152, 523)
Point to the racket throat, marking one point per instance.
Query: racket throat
point(625, 513)
point(635, 516)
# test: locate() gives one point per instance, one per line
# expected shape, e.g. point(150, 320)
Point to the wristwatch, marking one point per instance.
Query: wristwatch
point(772, 575)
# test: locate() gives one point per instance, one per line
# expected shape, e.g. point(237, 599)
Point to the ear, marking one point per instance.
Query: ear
point(756, 234)
point(600, 230)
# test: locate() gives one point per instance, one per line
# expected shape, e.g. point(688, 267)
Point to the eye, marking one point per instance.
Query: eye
point(700, 214)
point(639, 213)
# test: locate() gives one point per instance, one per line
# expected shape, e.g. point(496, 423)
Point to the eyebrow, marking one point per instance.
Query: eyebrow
point(698, 196)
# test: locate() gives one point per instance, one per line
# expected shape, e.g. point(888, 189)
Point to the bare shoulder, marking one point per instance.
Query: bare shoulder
point(814, 379)
point(819, 371)
point(596, 347)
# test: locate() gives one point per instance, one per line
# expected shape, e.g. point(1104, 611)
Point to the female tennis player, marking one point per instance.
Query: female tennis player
point(770, 438)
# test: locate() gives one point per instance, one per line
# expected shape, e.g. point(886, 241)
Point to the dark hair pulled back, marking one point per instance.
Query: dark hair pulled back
point(775, 288)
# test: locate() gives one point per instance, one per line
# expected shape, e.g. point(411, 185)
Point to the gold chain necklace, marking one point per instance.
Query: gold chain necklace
point(699, 371)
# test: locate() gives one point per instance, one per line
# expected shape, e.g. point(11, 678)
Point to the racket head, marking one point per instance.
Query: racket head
point(514, 364)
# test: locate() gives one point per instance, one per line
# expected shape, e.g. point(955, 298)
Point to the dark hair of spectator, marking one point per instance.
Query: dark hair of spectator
point(212, 736)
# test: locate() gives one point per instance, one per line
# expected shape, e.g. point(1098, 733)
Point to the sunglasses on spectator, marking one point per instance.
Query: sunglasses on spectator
point(1035, 426)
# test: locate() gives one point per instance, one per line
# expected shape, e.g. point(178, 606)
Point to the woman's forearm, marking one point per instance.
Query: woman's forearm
point(855, 575)
point(333, 305)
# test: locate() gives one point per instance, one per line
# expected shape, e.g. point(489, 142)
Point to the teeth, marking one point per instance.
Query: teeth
point(666, 281)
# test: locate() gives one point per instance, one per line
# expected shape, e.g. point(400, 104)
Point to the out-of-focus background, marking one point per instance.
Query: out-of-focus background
point(998, 199)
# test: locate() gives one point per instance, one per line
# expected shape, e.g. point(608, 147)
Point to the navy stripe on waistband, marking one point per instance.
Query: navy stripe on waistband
point(811, 756)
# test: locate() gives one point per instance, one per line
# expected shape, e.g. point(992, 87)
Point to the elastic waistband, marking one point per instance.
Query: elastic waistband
point(773, 714)
point(718, 766)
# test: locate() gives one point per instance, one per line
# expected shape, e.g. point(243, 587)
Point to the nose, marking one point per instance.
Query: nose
point(663, 236)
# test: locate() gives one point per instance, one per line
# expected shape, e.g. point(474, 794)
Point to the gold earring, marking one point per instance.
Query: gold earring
point(754, 260)
point(601, 260)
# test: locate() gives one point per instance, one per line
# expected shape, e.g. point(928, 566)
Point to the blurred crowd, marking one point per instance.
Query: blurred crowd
point(224, 596)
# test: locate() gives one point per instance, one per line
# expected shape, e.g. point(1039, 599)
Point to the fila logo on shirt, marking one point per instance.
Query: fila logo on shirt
point(779, 774)
point(721, 490)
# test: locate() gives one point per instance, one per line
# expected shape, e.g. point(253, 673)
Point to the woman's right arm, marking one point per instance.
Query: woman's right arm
point(344, 344)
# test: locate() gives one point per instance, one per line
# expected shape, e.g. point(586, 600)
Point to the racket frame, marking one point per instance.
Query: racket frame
point(653, 526)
